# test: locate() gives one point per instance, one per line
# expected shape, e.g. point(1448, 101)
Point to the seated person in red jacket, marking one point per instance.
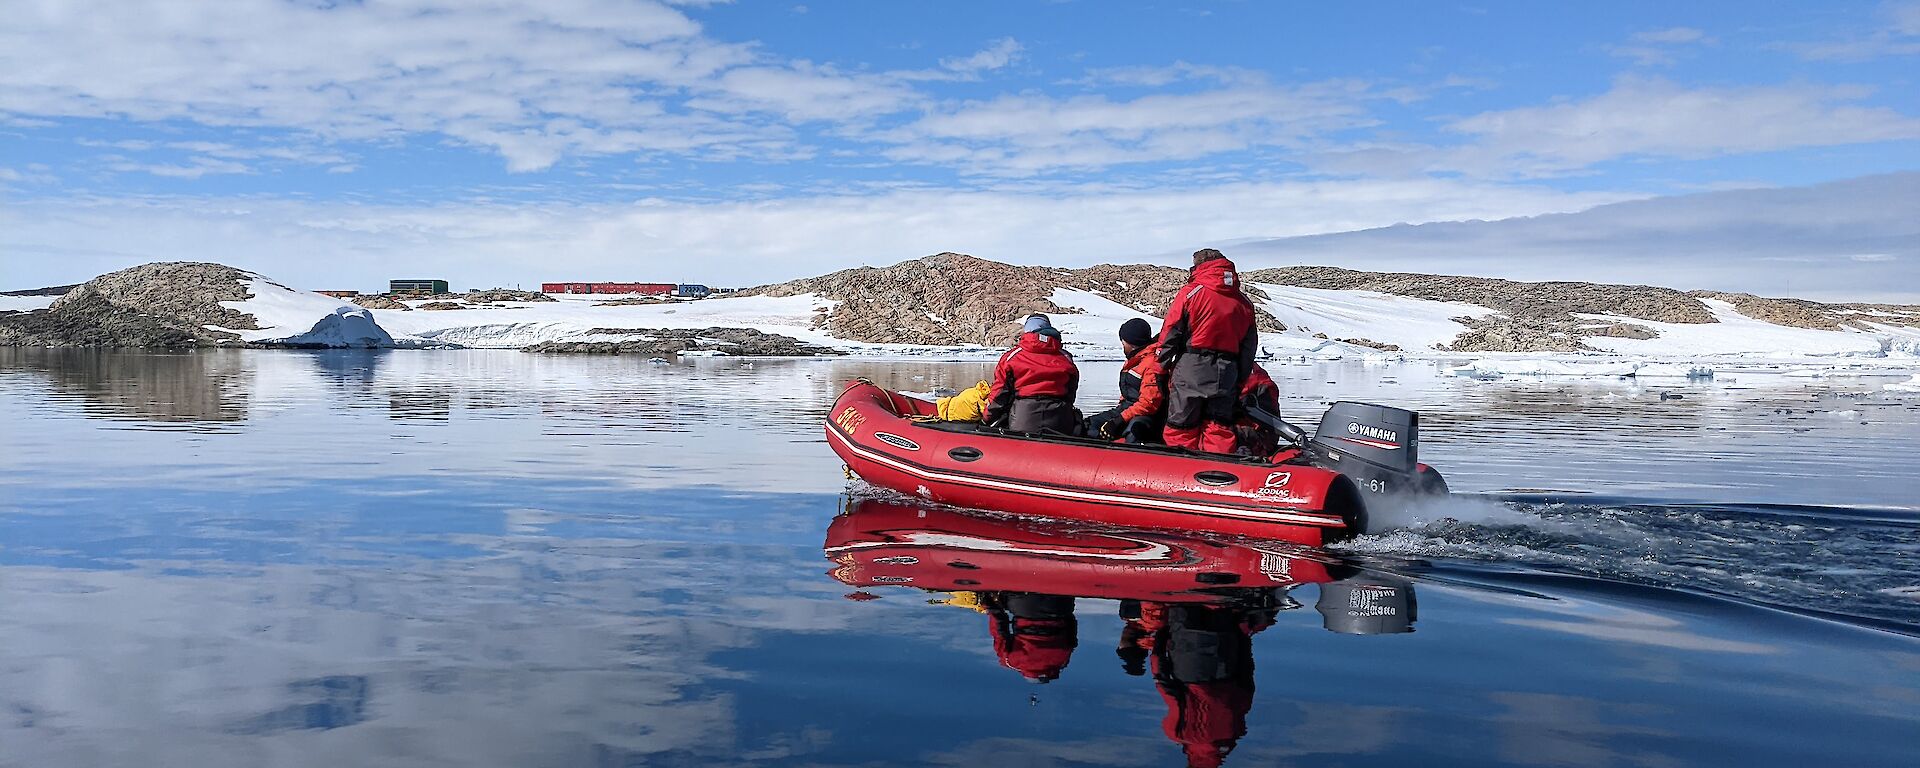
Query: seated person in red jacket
point(1207, 343)
point(1255, 438)
point(1143, 390)
point(1033, 385)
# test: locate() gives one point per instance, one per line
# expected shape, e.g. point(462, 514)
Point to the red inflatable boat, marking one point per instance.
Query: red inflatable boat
point(1363, 454)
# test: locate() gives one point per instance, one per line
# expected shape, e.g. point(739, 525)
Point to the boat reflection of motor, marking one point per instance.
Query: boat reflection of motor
point(1368, 603)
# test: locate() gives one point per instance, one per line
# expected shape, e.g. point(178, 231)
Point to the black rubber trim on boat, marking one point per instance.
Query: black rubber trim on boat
point(1216, 477)
point(965, 453)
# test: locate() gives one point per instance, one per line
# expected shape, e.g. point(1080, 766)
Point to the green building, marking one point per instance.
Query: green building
point(417, 286)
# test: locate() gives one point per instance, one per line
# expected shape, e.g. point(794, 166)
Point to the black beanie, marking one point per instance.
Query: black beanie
point(1137, 332)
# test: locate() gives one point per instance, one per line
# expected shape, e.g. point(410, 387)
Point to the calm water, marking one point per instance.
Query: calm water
point(255, 558)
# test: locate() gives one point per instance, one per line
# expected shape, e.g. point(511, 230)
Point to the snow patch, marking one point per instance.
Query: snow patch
point(300, 318)
point(25, 303)
point(1912, 384)
point(1494, 368)
point(1408, 323)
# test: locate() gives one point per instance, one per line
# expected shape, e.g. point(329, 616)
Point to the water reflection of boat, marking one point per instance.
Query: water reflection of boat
point(1190, 604)
point(879, 542)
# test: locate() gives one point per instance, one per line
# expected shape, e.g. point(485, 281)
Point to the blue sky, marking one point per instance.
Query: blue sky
point(498, 142)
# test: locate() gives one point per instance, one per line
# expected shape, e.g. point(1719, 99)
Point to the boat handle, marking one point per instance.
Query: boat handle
point(964, 453)
point(1216, 477)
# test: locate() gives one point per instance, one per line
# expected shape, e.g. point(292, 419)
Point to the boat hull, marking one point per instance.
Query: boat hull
point(890, 441)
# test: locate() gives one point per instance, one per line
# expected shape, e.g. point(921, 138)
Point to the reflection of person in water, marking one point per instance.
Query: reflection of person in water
point(1202, 658)
point(1033, 634)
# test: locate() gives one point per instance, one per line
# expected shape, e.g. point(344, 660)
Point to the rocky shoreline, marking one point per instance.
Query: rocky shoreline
point(662, 342)
point(944, 300)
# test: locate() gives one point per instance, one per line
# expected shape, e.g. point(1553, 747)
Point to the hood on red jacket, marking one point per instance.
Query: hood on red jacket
point(1042, 343)
point(1218, 274)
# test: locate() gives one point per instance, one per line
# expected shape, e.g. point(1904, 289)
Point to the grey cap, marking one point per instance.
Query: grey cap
point(1035, 322)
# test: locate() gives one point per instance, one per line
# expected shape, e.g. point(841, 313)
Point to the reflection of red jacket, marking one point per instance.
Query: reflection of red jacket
point(1211, 313)
point(1036, 367)
point(1145, 364)
point(1206, 719)
point(1038, 649)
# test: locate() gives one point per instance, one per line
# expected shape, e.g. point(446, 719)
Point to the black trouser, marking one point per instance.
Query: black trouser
point(1140, 430)
point(1042, 414)
point(1204, 387)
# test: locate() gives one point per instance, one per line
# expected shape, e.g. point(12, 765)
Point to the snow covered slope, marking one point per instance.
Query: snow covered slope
point(573, 318)
point(25, 303)
point(1737, 334)
point(1414, 325)
point(304, 319)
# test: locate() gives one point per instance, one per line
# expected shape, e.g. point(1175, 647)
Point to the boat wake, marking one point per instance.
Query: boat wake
point(1860, 565)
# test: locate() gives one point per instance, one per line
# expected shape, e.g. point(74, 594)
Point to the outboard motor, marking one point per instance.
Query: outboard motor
point(1374, 445)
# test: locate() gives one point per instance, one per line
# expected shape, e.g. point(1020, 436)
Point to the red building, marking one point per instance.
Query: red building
point(650, 289)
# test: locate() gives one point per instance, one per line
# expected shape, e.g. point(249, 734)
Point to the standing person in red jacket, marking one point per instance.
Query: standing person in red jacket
point(1207, 344)
point(1034, 383)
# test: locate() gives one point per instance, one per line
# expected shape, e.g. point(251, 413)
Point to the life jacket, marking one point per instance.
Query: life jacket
point(1141, 364)
point(964, 406)
point(1211, 314)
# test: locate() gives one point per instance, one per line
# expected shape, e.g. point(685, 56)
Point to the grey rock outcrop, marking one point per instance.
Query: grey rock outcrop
point(381, 301)
point(166, 304)
point(740, 342)
point(956, 299)
point(504, 294)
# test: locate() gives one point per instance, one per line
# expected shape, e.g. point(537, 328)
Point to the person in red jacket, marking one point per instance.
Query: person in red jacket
point(1034, 383)
point(1259, 391)
point(1143, 390)
point(1207, 343)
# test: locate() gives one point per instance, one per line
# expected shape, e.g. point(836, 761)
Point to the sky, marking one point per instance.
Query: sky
point(337, 144)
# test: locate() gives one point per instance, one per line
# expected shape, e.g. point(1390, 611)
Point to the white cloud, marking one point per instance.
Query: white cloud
point(1855, 239)
point(330, 244)
point(997, 55)
point(1896, 33)
point(534, 82)
point(1031, 133)
point(1672, 35)
point(1660, 46)
point(192, 169)
point(1650, 117)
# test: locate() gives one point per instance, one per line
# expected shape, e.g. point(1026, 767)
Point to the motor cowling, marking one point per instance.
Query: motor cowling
point(1375, 445)
point(1377, 434)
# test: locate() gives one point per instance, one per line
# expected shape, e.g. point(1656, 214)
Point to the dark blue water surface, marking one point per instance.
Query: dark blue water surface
point(256, 558)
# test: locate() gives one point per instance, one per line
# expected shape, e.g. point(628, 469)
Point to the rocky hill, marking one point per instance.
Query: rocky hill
point(167, 304)
point(956, 299)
